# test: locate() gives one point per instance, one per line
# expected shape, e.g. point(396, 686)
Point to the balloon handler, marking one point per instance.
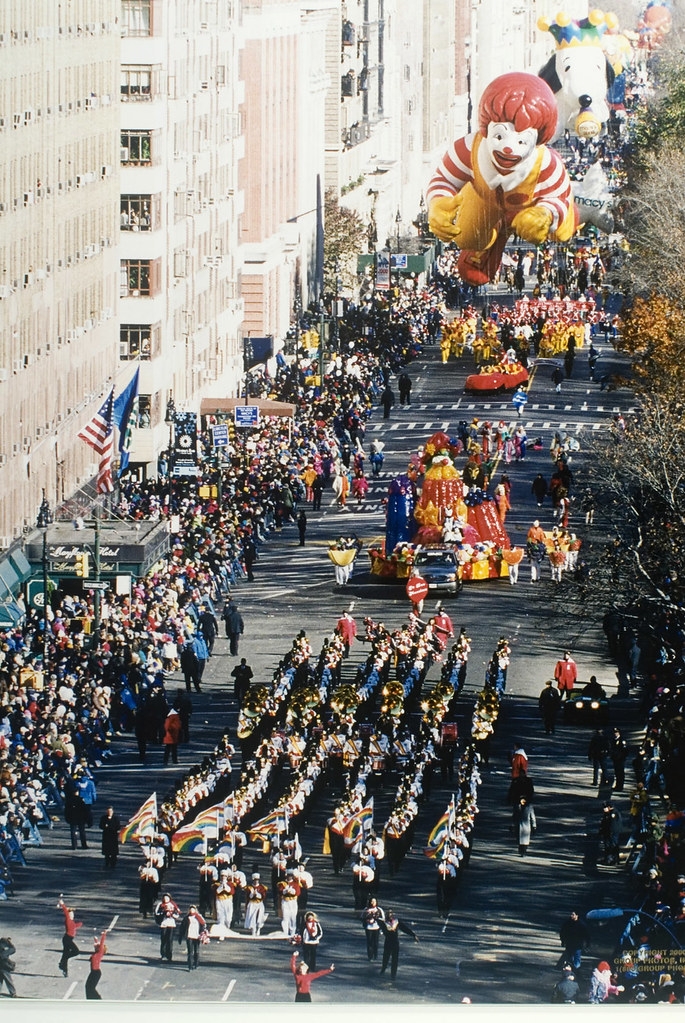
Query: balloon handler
point(503, 179)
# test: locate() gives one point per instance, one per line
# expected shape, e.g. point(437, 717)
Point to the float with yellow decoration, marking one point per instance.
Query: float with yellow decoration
point(505, 376)
point(437, 508)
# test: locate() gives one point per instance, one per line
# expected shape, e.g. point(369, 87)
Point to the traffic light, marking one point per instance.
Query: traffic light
point(82, 564)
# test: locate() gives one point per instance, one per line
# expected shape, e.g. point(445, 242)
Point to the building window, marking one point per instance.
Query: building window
point(136, 147)
point(135, 278)
point(135, 341)
point(144, 411)
point(135, 17)
point(137, 213)
point(136, 83)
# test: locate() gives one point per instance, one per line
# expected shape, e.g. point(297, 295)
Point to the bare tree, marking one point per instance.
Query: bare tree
point(637, 475)
point(653, 217)
point(344, 239)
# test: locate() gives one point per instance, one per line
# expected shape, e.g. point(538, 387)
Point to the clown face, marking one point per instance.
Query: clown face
point(507, 147)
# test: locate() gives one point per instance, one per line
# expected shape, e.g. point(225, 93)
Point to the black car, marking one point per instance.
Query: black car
point(587, 706)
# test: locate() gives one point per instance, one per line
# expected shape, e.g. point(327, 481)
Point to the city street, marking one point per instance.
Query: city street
point(500, 943)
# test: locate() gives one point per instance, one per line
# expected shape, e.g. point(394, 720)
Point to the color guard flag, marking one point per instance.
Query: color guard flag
point(126, 419)
point(188, 839)
point(358, 823)
point(438, 835)
point(142, 822)
point(98, 434)
point(208, 818)
point(273, 824)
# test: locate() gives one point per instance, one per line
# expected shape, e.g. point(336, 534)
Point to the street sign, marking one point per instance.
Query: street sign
point(247, 415)
point(220, 435)
point(417, 588)
point(95, 584)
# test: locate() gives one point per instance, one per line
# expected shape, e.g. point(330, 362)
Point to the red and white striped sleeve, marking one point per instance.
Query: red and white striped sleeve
point(553, 188)
point(454, 170)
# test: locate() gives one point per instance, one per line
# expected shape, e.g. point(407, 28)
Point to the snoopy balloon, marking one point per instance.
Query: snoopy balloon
point(502, 179)
point(579, 73)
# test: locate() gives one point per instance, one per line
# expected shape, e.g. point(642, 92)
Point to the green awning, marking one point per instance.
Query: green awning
point(10, 615)
point(9, 580)
point(21, 565)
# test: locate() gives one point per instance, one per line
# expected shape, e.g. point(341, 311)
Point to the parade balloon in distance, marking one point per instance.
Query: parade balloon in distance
point(579, 73)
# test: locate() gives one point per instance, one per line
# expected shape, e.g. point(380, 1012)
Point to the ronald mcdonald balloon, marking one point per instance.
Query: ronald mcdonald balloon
point(503, 179)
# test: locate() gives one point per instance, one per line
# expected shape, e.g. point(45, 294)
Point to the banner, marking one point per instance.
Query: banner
point(184, 460)
point(382, 271)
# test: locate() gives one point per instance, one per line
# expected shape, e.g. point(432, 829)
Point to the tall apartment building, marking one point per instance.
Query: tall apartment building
point(286, 82)
point(180, 308)
point(59, 191)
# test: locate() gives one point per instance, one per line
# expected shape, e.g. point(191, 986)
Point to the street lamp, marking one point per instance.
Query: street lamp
point(398, 221)
point(616, 912)
point(43, 521)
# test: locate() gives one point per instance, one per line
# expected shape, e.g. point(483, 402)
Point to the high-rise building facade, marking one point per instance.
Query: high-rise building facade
point(59, 192)
point(180, 309)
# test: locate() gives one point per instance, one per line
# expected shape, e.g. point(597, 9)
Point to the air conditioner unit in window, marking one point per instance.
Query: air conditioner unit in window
point(123, 155)
point(3, 459)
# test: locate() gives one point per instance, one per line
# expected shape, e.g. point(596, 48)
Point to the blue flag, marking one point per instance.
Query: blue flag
point(256, 350)
point(126, 419)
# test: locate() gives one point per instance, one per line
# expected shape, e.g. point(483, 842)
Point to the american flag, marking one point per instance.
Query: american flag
point(99, 435)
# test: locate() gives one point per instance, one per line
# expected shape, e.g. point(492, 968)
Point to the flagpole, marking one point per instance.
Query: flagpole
point(96, 559)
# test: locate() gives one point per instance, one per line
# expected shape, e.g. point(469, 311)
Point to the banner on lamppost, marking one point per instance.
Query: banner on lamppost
point(185, 444)
point(382, 270)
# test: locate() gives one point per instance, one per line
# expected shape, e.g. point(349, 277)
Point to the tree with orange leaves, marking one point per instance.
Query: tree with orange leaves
point(653, 334)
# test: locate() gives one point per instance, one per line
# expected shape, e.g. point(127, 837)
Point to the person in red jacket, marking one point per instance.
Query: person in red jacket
point(303, 978)
point(566, 674)
point(93, 978)
point(172, 736)
point(347, 629)
point(69, 946)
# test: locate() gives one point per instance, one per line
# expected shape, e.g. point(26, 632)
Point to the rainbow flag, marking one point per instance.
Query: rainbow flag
point(188, 839)
point(142, 822)
point(271, 824)
point(208, 818)
point(357, 823)
point(438, 835)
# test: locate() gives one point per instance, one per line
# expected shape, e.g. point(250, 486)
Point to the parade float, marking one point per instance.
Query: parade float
point(505, 376)
point(431, 505)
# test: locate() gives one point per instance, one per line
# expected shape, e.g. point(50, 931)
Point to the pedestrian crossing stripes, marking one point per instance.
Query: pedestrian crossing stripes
point(502, 405)
point(529, 424)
